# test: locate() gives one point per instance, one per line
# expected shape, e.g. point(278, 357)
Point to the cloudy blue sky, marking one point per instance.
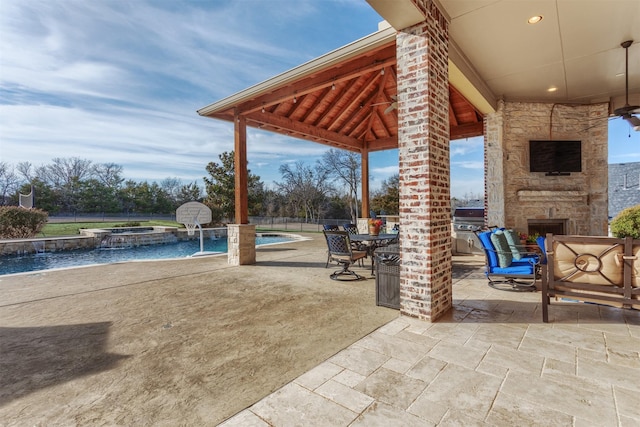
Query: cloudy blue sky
point(120, 81)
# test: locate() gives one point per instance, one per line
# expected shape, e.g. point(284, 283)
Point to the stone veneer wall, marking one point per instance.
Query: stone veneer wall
point(92, 239)
point(515, 196)
point(241, 244)
point(423, 140)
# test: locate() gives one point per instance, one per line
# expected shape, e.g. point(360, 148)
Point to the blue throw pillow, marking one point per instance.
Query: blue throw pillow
point(503, 251)
point(513, 239)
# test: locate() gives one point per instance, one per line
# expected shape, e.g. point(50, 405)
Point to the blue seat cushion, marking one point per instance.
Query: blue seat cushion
point(513, 269)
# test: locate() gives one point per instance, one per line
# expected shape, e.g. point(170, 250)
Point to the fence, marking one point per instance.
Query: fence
point(294, 224)
point(264, 223)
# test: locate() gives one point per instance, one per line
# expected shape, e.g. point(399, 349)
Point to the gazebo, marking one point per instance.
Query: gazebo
point(412, 87)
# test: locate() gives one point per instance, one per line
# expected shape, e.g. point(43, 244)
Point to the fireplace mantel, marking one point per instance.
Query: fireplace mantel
point(551, 195)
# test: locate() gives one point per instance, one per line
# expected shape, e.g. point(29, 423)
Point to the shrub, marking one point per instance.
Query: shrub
point(21, 223)
point(627, 223)
point(128, 224)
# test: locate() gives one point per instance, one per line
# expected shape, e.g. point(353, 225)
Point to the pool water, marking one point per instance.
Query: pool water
point(62, 259)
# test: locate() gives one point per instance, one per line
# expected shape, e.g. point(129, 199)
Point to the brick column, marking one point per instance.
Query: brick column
point(423, 139)
point(242, 244)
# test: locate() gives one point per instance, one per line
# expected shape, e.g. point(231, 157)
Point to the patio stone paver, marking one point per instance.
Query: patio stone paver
point(294, 405)
point(492, 362)
point(392, 388)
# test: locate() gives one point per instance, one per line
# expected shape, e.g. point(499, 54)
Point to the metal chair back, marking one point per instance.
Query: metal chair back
point(350, 228)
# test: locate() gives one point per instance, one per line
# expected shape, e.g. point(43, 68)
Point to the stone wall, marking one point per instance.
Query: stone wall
point(94, 238)
point(242, 244)
point(517, 197)
point(423, 142)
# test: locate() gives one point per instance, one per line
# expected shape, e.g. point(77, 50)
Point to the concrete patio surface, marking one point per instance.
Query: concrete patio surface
point(489, 361)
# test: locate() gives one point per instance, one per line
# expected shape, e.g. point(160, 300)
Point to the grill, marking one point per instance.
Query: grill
point(466, 220)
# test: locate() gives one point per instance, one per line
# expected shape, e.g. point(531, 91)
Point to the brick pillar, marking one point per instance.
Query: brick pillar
point(242, 244)
point(423, 140)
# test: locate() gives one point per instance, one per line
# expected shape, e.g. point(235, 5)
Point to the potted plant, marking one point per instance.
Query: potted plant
point(531, 238)
point(374, 226)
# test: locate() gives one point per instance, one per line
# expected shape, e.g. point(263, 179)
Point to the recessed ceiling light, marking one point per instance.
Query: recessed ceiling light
point(534, 19)
point(552, 89)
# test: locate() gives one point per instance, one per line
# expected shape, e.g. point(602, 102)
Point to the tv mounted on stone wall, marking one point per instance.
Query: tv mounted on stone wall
point(555, 157)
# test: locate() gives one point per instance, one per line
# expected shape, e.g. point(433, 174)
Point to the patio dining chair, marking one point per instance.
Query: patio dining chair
point(341, 251)
point(329, 227)
point(351, 228)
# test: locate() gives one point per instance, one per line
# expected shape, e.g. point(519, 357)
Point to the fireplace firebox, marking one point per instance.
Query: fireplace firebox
point(544, 226)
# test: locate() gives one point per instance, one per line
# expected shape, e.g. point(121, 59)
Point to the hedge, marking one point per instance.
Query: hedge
point(627, 223)
point(21, 223)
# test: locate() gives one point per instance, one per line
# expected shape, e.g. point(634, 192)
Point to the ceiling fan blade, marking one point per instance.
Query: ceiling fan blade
point(633, 120)
point(391, 107)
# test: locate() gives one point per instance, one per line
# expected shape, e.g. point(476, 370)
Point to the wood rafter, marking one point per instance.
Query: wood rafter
point(343, 104)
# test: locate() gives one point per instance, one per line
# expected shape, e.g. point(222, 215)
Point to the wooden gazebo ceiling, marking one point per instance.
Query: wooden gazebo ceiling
point(349, 105)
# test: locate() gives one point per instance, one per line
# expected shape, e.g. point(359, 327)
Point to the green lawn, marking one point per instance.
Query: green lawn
point(73, 228)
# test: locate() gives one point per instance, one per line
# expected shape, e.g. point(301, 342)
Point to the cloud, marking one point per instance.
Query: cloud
point(475, 165)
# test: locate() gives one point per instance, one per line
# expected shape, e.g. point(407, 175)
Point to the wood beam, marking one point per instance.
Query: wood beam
point(309, 132)
point(365, 182)
point(240, 165)
point(385, 57)
point(344, 90)
point(353, 103)
point(383, 144)
point(466, 131)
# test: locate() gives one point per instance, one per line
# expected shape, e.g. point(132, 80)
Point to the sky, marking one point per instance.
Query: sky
point(116, 81)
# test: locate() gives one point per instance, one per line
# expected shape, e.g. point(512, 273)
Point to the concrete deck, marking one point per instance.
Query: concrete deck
point(490, 361)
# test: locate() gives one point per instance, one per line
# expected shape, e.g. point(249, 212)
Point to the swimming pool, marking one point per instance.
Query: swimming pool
point(81, 257)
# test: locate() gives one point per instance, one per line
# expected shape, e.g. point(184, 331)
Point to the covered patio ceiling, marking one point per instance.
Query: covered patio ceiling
point(344, 99)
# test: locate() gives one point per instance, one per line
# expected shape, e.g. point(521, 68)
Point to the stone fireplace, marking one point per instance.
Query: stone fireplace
point(544, 226)
point(535, 202)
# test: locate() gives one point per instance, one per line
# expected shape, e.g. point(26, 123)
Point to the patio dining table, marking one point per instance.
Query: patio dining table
point(373, 242)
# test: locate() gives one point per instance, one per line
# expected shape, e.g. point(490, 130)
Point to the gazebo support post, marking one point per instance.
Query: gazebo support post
point(241, 235)
point(364, 166)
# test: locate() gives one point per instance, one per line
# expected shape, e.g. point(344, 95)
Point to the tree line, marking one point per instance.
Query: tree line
point(327, 189)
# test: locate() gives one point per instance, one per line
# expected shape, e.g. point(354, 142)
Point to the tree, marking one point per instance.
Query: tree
point(95, 197)
point(344, 166)
point(64, 175)
point(220, 188)
point(25, 170)
point(189, 193)
point(109, 174)
point(9, 182)
point(387, 199)
point(305, 189)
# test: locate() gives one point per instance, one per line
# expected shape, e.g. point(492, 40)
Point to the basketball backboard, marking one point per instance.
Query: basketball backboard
point(193, 213)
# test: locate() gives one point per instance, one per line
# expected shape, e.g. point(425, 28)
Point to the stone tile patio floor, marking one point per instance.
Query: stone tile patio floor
point(490, 361)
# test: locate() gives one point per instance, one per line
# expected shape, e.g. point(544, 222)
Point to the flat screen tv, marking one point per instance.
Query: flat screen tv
point(555, 157)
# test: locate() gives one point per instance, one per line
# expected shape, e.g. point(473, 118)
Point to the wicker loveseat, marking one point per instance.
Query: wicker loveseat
point(604, 270)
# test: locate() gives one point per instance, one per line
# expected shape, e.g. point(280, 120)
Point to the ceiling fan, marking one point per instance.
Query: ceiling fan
point(393, 104)
point(628, 111)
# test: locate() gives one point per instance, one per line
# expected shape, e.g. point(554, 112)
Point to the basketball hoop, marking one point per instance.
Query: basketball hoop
point(191, 228)
point(192, 215)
